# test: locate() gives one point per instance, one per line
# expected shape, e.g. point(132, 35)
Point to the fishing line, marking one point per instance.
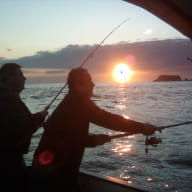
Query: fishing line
point(86, 59)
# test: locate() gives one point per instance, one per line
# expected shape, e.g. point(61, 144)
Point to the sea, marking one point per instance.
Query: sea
point(167, 167)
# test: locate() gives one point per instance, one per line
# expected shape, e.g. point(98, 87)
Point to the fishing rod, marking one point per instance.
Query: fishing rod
point(153, 141)
point(86, 59)
point(158, 129)
point(174, 125)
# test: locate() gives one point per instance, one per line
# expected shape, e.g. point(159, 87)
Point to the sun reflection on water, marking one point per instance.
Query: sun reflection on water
point(122, 147)
point(166, 185)
point(149, 179)
point(121, 106)
point(124, 175)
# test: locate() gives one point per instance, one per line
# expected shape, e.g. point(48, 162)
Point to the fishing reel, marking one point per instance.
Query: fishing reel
point(153, 141)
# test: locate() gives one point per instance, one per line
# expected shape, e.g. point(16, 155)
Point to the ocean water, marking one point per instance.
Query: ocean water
point(166, 167)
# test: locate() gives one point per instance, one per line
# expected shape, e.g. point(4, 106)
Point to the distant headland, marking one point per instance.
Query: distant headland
point(170, 78)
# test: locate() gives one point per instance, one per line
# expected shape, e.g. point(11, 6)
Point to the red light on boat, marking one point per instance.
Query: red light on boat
point(45, 157)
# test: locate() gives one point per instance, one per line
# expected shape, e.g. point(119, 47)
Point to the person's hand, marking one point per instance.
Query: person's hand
point(102, 139)
point(149, 129)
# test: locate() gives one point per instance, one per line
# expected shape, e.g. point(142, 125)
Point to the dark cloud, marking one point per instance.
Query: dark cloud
point(2, 59)
point(155, 55)
point(10, 49)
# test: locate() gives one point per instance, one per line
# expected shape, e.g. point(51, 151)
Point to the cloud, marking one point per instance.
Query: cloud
point(148, 32)
point(10, 49)
point(2, 59)
point(155, 56)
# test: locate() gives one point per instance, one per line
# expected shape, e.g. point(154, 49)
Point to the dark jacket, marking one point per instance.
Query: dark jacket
point(17, 124)
point(66, 133)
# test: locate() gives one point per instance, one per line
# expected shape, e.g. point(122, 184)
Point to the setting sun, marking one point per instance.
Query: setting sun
point(122, 73)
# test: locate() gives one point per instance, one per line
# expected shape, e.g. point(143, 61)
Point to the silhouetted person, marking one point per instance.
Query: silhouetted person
point(17, 125)
point(65, 137)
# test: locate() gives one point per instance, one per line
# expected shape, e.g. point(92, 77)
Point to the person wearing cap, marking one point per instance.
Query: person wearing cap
point(66, 133)
point(17, 124)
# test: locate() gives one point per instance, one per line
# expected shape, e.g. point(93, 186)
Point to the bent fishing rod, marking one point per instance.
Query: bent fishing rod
point(85, 61)
point(82, 64)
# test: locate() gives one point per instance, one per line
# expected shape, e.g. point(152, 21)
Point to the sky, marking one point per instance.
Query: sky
point(29, 26)
point(32, 26)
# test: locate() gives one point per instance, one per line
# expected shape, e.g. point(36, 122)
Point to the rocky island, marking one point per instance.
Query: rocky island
point(168, 78)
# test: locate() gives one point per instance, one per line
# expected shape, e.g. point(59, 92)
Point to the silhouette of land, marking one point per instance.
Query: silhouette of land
point(170, 78)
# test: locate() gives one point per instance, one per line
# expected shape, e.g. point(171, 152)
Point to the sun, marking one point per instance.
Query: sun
point(122, 72)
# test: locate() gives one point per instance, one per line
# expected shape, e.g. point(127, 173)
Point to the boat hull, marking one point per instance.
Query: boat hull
point(87, 182)
point(92, 183)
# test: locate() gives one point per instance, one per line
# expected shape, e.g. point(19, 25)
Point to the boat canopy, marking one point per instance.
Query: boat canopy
point(177, 13)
